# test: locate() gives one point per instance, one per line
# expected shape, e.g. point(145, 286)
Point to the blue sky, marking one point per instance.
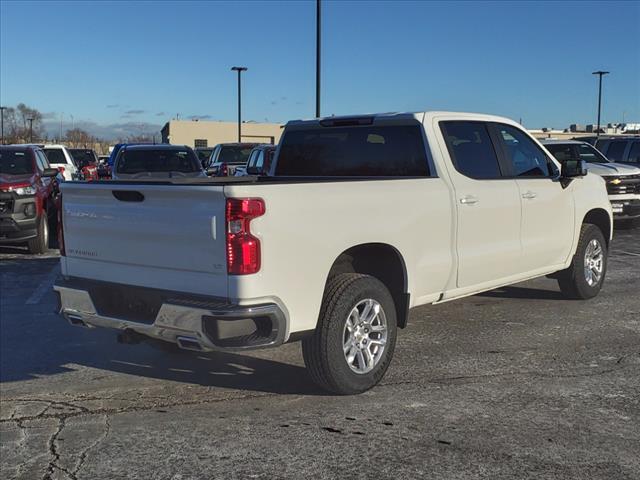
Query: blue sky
point(118, 63)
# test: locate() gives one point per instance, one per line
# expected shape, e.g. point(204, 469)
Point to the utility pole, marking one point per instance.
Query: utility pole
point(318, 43)
point(239, 70)
point(2, 109)
point(60, 134)
point(30, 120)
point(600, 73)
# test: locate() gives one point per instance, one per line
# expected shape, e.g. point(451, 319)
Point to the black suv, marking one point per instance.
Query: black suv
point(618, 148)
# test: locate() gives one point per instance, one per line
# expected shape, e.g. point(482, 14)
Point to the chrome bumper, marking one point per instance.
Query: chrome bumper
point(192, 322)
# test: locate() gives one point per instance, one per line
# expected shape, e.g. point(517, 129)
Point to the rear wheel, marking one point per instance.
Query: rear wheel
point(354, 341)
point(40, 243)
point(584, 278)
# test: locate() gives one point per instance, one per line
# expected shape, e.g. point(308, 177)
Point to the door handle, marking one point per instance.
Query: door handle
point(529, 194)
point(469, 200)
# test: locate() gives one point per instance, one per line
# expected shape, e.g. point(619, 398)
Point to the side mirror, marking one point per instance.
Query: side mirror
point(254, 170)
point(50, 172)
point(573, 168)
point(210, 171)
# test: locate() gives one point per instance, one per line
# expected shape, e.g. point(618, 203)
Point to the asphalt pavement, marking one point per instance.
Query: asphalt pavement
point(514, 383)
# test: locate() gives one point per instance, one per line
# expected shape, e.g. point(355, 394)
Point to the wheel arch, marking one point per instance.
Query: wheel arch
point(382, 261)
point(601, 219)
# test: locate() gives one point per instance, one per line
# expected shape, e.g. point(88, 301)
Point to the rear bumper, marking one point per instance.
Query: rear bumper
point(193, 322)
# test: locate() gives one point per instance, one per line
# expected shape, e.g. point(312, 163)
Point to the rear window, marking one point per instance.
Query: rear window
point(55, 155)
point(83, 157)
point(13, 162)
point(140, 161)
point(396, 150)
point(234, 154)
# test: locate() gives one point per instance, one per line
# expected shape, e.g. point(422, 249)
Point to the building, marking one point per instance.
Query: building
point(198, 133)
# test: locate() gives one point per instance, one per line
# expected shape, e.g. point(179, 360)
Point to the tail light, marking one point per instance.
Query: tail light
point(243, 249)
point(224, 170)
point(63, 253)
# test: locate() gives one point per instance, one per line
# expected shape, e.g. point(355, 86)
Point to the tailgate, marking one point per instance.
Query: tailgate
point(170, 237)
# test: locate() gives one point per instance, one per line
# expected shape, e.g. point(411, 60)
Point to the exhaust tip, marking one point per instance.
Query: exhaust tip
point(75, 320)
point(189, 343)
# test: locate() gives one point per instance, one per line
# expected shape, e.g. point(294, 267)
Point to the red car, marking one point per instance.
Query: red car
point(27, 196)
point(87, 162)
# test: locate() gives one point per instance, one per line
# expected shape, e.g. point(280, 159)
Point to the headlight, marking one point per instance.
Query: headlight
point(24, 191)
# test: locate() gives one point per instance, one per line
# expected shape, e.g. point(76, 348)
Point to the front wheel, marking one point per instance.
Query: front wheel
point(354, 340)
point(40, 243)
point(585, 276)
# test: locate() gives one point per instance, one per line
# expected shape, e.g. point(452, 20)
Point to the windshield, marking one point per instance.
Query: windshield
point(55, 155)
point(13, 162)
point(204, 154)
point(234, 154)
point(139, 161)
point(394, 150)
point(590, 155)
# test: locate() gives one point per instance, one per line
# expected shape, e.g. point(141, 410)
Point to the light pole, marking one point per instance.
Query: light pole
point(239, 70)
point(600, 73)
point(2, 109)
point(30, 120)
point(318, 37)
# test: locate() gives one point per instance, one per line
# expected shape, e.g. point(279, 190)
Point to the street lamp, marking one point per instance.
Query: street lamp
point(239, 70)
point(600, 73)
point(318, 25)
point(30, 120)
point(2, 109)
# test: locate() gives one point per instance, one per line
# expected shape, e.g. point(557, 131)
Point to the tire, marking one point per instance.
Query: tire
point(40, 243)
point(575, 282)
point(323, 352)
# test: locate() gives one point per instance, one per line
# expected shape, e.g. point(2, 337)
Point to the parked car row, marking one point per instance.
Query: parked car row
point(622, 179)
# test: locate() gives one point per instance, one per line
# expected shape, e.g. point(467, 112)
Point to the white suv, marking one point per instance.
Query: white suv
point(60, 158)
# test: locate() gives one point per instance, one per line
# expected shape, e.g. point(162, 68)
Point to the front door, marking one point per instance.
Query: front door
point(547, 207)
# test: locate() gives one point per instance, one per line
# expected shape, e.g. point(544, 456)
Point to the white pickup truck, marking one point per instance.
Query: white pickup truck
point(363, 219)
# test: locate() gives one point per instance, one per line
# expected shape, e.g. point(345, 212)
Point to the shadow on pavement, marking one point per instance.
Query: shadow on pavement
point(523, 292)
point(45, 345)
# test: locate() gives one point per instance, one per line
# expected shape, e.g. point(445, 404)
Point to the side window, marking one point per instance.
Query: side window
point(253, 159)
point(634, 154)
point(259, 158)
point(616, 150)
point(39, 162)
point(471, 149)
point(525, 157)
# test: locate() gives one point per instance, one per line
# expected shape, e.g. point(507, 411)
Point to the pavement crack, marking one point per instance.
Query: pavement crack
point(83, 411)
point(55, 454)
point(83, 455)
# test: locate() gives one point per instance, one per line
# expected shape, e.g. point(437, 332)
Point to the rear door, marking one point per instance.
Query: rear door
point(547, 207)
point(488, 205)
point(170, 237)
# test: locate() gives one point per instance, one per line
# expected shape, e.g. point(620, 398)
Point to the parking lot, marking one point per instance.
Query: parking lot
point(514, 383)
